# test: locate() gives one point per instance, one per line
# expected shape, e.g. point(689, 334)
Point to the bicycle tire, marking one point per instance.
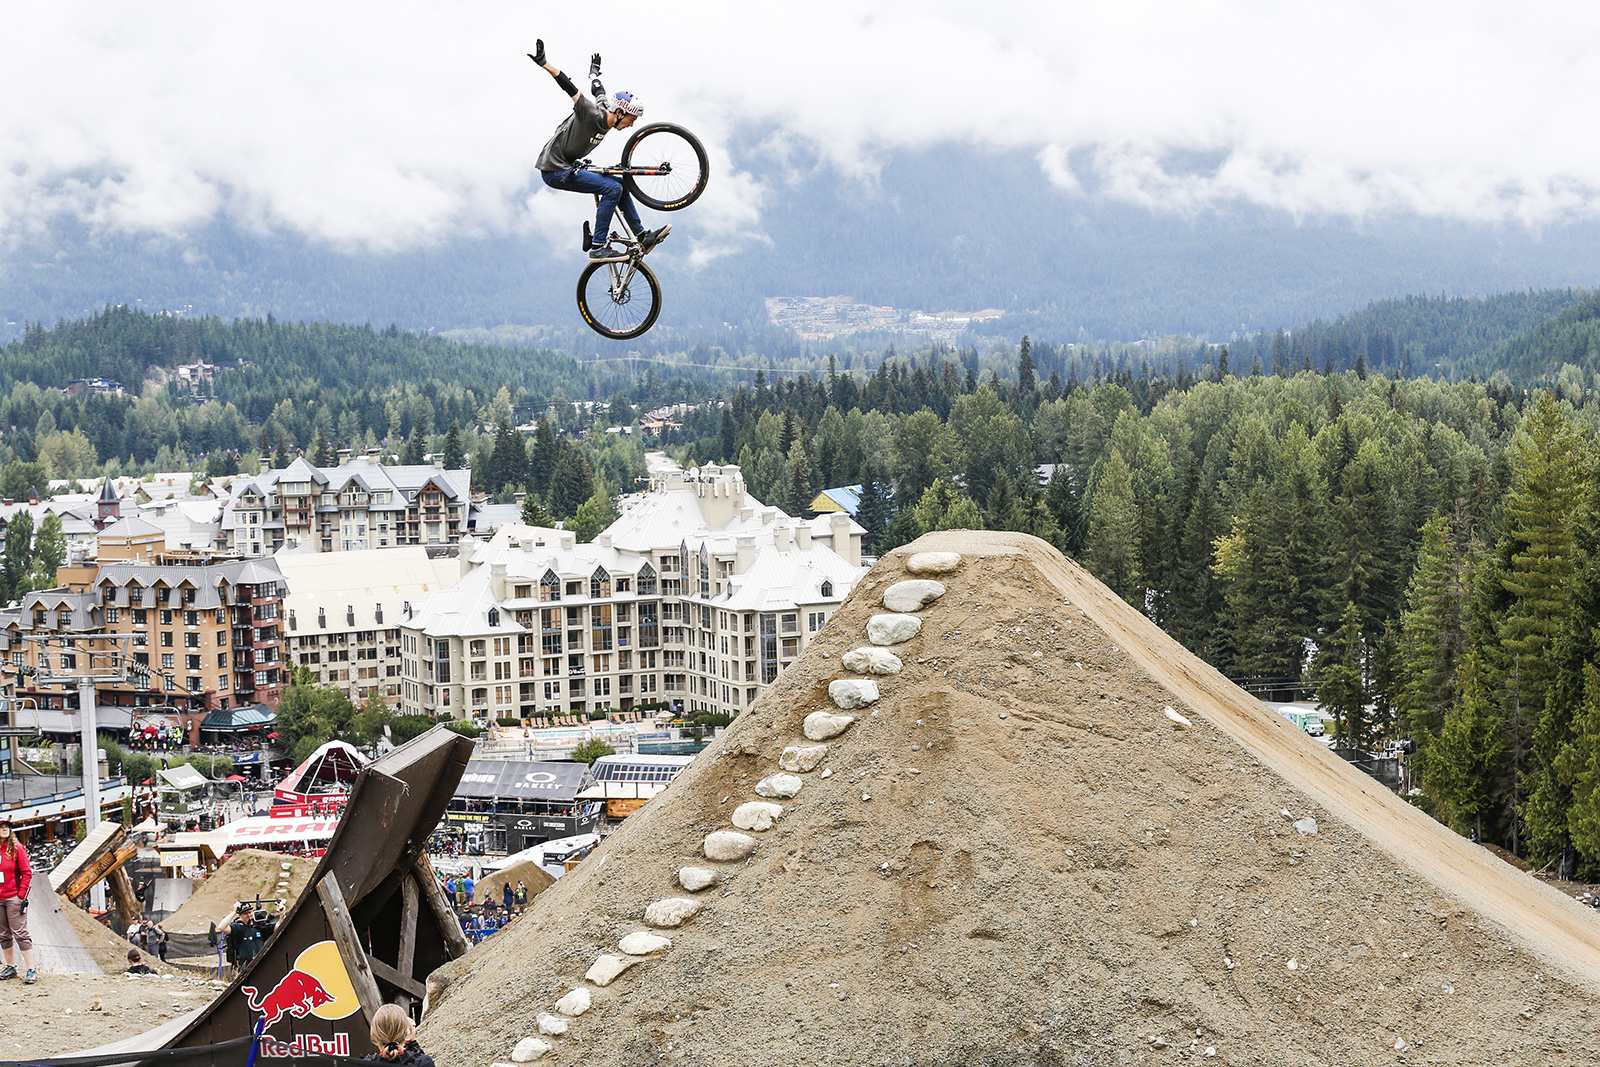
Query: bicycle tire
point(609, 317)
point(666, 143)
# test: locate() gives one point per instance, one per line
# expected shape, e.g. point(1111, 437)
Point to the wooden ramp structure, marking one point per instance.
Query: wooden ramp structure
point(371, 925)
point(101, 855)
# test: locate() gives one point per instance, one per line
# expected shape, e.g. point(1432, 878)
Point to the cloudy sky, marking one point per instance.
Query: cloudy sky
point(393, 125)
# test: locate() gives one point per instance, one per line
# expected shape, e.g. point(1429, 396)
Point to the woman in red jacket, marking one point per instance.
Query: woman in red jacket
point(16, 874)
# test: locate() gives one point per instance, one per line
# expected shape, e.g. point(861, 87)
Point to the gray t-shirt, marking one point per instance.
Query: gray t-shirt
point(578, 135)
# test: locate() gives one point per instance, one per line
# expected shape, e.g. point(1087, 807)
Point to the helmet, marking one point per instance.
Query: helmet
point(625, 103)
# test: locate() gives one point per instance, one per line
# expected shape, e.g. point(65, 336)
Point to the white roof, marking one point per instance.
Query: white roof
point(183, 776)
point(781, 578)
point(363, 580)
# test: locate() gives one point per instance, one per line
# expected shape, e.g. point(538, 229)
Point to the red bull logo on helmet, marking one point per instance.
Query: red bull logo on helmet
point(318, 984)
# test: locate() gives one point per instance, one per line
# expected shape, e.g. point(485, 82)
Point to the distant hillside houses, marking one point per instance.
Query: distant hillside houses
point(356, 505)
point(697, 597)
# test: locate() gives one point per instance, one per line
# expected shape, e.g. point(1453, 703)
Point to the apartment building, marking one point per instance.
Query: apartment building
point(342, 612)
point(359, 504)
point(697, 596)
point(206, 627)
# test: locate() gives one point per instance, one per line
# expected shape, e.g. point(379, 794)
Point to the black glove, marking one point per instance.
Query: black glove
point(537, 55)
point(594, 65)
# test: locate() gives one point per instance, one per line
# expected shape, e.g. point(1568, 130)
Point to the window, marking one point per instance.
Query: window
point(599, 584)
point(602, 687)
point(549, 587)
point(191, 640)
point(502, 646)
point(475, 648)
point(647, 580)
point(192, 662)
point(166, 661)
point(166, 617)
point(222, 660)
point(815, 619)
point(502, 670)
point(191, 618)
point(522, 592)
point(494, 616)
point(600, 627)
point(827, 588)
point(113, 615)
point(166, 639)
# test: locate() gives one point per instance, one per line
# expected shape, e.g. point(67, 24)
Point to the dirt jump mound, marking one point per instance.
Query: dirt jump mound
point(994, 816)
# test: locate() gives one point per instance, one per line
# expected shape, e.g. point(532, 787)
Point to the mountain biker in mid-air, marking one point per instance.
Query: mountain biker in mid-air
point(577, 136)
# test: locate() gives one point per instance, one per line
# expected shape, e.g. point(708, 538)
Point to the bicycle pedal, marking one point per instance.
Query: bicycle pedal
point(588, 240)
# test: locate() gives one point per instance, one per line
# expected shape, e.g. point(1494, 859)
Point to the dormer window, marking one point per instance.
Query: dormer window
point(322, 618)
point(494, 617)
point(827, 588)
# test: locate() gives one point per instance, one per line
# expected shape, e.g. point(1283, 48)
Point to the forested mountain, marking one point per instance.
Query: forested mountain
point(946, 229)
point(1423, 554)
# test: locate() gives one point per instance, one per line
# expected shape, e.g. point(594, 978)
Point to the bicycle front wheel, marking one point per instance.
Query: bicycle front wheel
point(619, 300)
point(679, 159)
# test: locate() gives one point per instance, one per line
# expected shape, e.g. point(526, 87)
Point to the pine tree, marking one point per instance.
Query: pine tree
point(572, 483)
point(455, 453)
point(872, 513)
point(508, 462)
point(1433, 629)
point(1025, 374)
point(1063, 499)
point(321, 450)
point(1462, 769)
point(542, 464)
point(730, 436)
point(1112, 549)
point(1341, 687)
point(417, 444)
point(534, 513)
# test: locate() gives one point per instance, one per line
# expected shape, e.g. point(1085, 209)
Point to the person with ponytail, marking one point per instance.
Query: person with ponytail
point(396, 1037)
point(16, 874)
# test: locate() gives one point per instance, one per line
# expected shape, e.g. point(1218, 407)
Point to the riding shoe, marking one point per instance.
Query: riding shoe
point(7, 971)
point(606, 254)
point(650, 238)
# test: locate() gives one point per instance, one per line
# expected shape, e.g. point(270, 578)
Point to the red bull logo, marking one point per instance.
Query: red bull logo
point(318, 984)
point(297, 993)
point(307, 1045)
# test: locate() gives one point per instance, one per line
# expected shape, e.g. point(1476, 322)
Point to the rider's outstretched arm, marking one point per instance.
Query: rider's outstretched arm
point(594, 83)
point(537, 55)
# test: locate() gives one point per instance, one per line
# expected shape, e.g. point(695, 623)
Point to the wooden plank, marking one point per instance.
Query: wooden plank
point(404, 983)
point(349, 942)
point(406, 961)
point(110, 860)
point(122, 892)
point(443, 911)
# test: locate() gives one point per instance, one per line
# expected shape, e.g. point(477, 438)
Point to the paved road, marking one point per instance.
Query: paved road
point(56, 948)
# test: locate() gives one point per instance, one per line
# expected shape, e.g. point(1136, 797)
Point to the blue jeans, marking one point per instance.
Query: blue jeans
point(612, 195)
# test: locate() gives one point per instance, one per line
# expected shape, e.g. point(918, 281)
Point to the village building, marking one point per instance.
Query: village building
point(357, 505)
point(696, 598)
point(342, 612)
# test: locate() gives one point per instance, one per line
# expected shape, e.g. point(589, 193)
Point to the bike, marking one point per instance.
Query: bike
point(664, 168)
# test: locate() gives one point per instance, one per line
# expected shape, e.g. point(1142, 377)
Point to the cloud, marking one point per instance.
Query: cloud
point(394, 125)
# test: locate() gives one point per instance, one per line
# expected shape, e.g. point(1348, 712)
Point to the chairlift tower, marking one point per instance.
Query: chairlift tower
point(110, 664)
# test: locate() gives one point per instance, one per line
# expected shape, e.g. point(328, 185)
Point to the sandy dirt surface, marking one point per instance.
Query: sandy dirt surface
point(246, 875)
point(65, 1013)
point(1019, 857)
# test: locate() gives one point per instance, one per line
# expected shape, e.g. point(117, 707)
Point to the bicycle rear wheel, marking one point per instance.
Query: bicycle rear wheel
point(684, 158)
point(619, 300)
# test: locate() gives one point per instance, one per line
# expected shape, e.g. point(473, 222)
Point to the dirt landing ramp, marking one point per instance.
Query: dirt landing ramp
point(1053, 837)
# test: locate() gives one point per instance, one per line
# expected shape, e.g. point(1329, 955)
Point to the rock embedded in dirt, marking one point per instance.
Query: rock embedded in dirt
point(757, 815)
point(848, 694)
point(872, 661)
point(892, 629)
point(673, 911)
point(608, 969)
point(529, 1049)
point(1307, 825)
point(933, 562)
point(644, 943)
point(782, 786)
point(802, 758)
point(821, 725)
point(575, 1003)
point(725, 846)
point(552, 1025)
point(913, 595)
point(695, 879)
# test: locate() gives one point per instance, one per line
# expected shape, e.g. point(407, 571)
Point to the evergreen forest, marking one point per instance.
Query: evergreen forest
point(1420, 552)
